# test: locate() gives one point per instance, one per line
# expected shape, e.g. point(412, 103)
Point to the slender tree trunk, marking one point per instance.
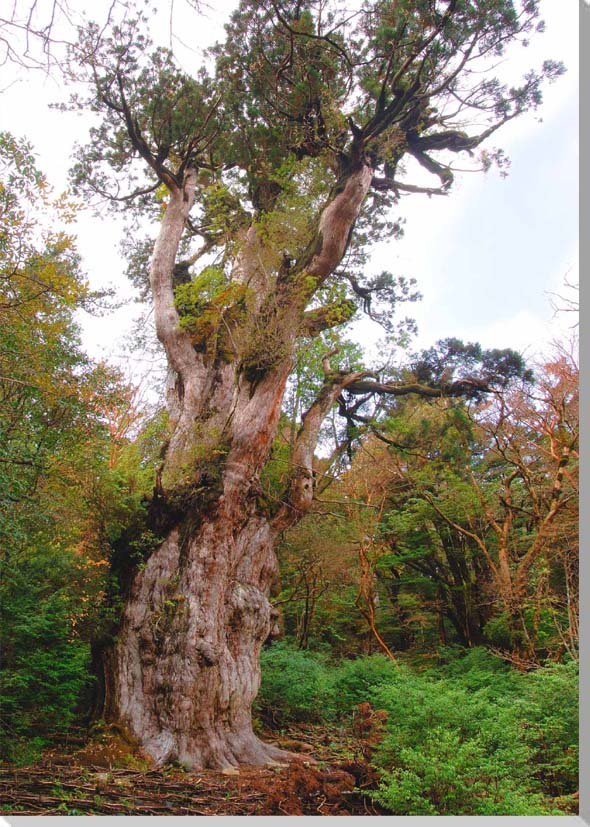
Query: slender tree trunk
point(440, 616)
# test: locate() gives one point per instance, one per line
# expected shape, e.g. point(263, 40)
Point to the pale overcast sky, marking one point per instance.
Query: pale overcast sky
point(485, 257)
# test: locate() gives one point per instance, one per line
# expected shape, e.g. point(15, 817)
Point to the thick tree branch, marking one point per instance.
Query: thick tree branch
point(310, 35)
point(323, 318)
point(385, 115)
point(555, 504)
point(335, 226)
point(176, 342)
point(464, 531)
point(299, 496)
point(385, 184)
point(458, 388)
point(139, 143)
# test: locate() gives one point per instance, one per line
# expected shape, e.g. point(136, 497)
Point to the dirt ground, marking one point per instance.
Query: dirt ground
point(105, 777)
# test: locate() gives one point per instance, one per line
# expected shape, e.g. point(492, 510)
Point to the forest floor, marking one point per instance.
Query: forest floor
point(104, 777)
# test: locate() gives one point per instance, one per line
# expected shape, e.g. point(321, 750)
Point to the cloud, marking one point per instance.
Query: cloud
point(525, 332)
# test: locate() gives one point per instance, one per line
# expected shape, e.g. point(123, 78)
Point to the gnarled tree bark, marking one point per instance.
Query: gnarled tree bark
point(185, 666)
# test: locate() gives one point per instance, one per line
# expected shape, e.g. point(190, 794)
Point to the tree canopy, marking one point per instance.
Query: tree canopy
point(298, 95)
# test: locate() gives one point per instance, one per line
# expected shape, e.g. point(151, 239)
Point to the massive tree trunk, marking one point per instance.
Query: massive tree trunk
point(187, 656)
point(184, 670)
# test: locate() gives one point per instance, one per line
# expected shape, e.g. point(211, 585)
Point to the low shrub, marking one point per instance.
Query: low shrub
point(296, 686)
point(549, 709)
point(354, 680)
point(470, 736)
point(478, 741)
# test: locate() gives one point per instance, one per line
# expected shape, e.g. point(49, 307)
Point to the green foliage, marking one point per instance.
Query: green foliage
point(468, 739)
point(209, 306)
point(473, 477)
point(297, 94)
point(71, 480)
point(169, 107)
point(451, 360)
point(319, 585)
point(223, 213)
point(296, 686)
point(303, 95)
point(192, 298)
point(41, 415)
point(307, 373)
point(476, 669)
point(275, 473)
point(42, 369)
point(551, 709)
point(57, 592)
point(445, 775)
point(355, 680)
point(44, 660)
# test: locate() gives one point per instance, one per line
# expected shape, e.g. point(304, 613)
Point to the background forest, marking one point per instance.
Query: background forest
point(428, 600)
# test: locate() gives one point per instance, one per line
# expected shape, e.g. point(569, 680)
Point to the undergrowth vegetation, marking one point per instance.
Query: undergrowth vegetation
point(466, 736)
